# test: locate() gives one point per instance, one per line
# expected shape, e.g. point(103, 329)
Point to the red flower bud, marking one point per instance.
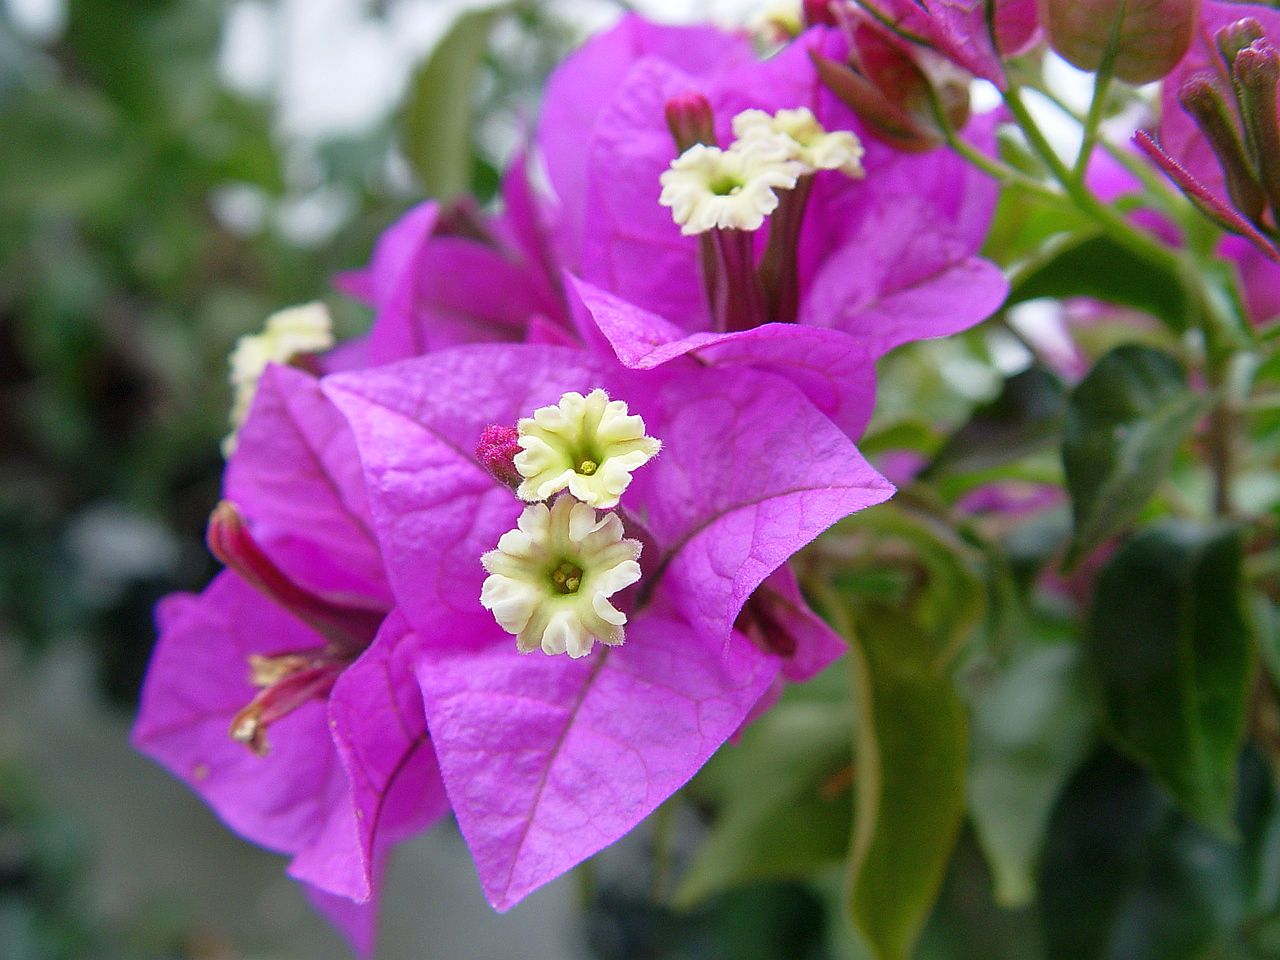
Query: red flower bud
point(497, 451)
point(1234, 37)
point(1150, 38)
point(691, 121)
point(819, 13)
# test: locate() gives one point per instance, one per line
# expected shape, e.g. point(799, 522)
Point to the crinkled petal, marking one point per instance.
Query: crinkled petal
point(548, 760)
point(296, 799)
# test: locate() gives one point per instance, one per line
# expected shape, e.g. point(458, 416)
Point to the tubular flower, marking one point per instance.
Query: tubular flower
point(806, 141)
point(550, 579)
point(708, 188)
point(288, 334)
point(588, 445)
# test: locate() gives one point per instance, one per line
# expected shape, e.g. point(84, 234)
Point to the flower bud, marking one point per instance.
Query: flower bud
point(1234, 37)
point(691, 121)
point(819, 13)
point(894, 91)
point(497, 451)
point(1150, 38)
point(1201, 98)
point(1257, 71)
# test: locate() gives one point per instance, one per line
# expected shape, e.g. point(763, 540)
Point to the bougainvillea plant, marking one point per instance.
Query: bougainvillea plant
point(778, 359)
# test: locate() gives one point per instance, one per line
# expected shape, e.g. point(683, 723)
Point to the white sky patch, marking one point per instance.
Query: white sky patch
point(41, 20)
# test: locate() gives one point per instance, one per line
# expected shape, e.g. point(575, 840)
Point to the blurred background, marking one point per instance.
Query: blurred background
point(172, 171)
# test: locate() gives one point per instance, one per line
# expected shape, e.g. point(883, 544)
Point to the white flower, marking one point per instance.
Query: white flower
point(803, 139)
point(708, 188)
point(588, 445)
point(288, 334)
point(550, 579)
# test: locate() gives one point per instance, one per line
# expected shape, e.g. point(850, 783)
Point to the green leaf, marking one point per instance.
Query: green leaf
point(1031, 728)
point(1124, 423)
point(438, 114)
point(784, 798)
point(1169, 645)
point(1100, 268)
point(911, 737)
point(1026, 416)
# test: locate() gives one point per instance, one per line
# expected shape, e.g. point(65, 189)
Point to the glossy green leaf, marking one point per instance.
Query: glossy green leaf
point(438, 114)
point(784, 801)
point(1170, 648)
point(1124, 423)
point(1025, 417)
point(911, 739)
point(1100, 268)
point(1032, 725)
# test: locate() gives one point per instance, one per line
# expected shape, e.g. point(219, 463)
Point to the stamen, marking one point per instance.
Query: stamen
point(312, 678)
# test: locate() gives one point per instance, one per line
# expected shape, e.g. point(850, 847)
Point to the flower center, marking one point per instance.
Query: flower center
point(567, 577)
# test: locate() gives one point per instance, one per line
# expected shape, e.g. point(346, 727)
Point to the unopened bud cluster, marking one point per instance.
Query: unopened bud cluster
point(1239, 119)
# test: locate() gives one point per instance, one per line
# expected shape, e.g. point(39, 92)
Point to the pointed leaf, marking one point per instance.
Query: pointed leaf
point(1124, 423)
point(437, 118)
point(1169, 646)
point(784, 801)
point(1026, 416)
point(1032, 727)
point(1099, 267)
point(911, 738)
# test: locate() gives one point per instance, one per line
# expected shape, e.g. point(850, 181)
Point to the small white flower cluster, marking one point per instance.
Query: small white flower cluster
point(550, 579)
point(708, 188)
point(288, 334)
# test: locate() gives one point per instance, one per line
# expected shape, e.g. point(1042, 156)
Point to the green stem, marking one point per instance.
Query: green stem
point(1116, 226)
point(1098, 105)
point(664, 823)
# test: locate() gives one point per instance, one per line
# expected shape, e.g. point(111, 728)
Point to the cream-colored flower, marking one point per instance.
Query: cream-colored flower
point(587, 445)
point(550, 579)
point(779, 22)
point(803, 139)
point(287, 334)
point(708, 188)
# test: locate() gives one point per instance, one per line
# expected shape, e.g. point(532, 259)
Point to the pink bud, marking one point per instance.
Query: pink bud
point(691, 121)
point(819, 13)
point(1150, 37)
point(497, 451)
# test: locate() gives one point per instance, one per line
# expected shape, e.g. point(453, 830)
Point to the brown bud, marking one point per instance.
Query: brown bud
point(1150, 38)
point(1201, 98)
point(1257, 72)
point(1234, 37)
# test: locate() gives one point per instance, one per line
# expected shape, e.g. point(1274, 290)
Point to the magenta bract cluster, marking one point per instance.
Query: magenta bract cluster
point(363, 487)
